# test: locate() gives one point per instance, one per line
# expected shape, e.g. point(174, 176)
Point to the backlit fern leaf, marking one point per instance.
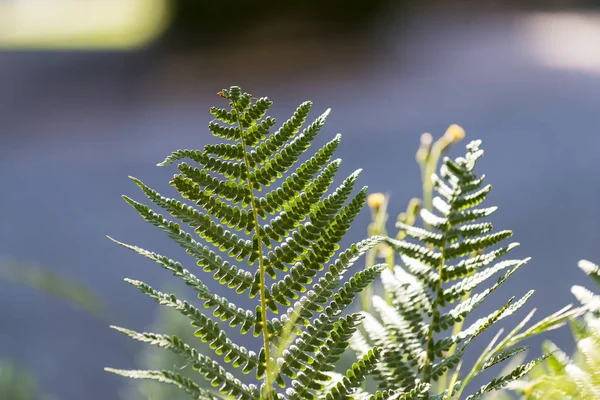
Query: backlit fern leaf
point(452, 255)
point(283, 240)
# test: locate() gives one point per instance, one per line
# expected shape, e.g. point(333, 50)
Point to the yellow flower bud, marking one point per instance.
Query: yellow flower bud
point(454, 133)
point(375, 200)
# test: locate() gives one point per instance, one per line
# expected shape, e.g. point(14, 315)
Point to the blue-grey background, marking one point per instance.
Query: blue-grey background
point(74, 125)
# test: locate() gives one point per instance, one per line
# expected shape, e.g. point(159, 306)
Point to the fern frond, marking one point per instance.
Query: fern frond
point(289, 235)
point(394, 367)
point(451, 256)
point(473, 264)
point(459, 289)
point(319, 215)
point(212, 233)
point(459, 312)
point(558, 360)
point(228, 190)
point(301, 204)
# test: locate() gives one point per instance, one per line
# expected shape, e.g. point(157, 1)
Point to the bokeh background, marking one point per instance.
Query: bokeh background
point(92, 91)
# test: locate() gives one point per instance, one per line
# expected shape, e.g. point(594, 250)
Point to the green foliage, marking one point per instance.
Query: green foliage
point(419, 325)
point(576, 377)
point(46, 281)
point(283, 239)
point(17, 383)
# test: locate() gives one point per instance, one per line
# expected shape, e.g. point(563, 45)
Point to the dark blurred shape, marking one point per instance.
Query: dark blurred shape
point(213, 20)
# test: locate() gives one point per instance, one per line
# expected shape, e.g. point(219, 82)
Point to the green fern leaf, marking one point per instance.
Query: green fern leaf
point(451, 256)
point(284, 239)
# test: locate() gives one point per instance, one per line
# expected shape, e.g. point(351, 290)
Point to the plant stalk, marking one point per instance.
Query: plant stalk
point(261, 267)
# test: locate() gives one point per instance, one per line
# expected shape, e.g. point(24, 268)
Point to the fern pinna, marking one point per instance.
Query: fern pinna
point(291, 233)
point(430, 294)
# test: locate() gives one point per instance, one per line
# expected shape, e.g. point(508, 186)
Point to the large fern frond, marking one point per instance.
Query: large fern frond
point(282, 242)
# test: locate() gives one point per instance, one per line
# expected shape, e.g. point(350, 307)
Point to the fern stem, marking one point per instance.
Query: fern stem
point(453, 134)
point(430, 353)
point(261, 265)
point(428, 169)
point(367, 293)
point(455, 331)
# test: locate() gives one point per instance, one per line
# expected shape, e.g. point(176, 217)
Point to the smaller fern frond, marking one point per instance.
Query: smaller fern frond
point(444, 262)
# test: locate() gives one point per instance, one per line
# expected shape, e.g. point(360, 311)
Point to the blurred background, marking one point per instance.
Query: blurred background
point(94, 90)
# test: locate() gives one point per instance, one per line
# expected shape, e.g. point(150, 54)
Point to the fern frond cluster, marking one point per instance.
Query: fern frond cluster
point(273, 246)
point(577, 377)
point(419, 325)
